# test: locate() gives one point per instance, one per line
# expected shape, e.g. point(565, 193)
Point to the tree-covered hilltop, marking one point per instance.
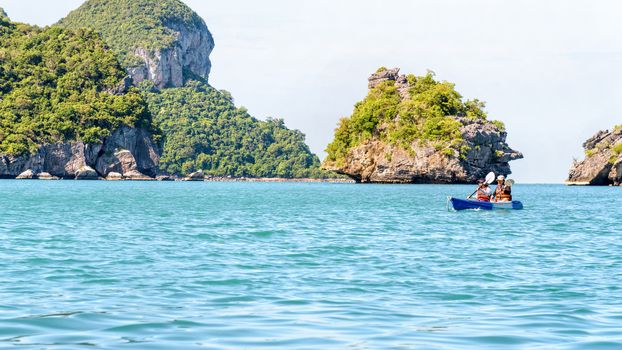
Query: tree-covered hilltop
point(60, 85)
point(402, 111)
point(203, 130)
point(127, 25)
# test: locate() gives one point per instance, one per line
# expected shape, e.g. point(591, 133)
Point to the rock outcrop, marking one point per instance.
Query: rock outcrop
point(170, 66)
point(128, 151)
point(47, 176)
point(163, 40)
point(603, 161)
point(375, 160)
point(26, 175)
point(196, 176)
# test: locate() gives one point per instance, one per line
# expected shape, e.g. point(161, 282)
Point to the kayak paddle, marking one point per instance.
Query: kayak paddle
point(490, 178)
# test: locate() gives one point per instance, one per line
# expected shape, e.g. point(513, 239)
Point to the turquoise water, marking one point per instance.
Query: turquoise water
point(116, 265)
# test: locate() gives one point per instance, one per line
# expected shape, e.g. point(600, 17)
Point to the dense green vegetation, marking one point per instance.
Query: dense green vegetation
point(55, 81)
point(205, 131)
point(129, 24)
point(56, 85)
point(426, 115)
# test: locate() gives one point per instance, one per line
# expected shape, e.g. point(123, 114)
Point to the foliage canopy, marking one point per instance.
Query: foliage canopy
point(426, 114)
point(130, 24)
point(57, 85)
point(205, 131)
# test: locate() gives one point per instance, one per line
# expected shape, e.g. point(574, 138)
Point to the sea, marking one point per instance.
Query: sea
point(208, 265)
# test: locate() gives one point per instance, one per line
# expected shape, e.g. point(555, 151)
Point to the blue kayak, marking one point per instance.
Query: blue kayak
point(463, 204)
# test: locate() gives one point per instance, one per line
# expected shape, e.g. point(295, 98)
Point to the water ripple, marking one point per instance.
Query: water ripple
point(113, 265)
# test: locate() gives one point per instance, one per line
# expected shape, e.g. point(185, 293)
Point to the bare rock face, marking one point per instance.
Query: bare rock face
point(86, 173)
point(136, 175)
point(114, 176)
point(26, 175)
point(47, 176)
point(196, 176)
point(376, 161)
point(168, 67)
point(127, 151)
point(602, 165)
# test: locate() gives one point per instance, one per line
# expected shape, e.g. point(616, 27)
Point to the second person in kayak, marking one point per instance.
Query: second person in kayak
point(503, 192)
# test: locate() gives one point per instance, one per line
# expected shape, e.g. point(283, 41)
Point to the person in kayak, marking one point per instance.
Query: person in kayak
point(483, 191)
point(503, 192)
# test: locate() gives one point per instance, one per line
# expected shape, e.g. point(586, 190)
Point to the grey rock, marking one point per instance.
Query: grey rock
point(86, 173)
point(196, 176)
point(127, 150)
point(114, 176)
point(26, 175)
point(169, 67)
point(47, 176)
point(383, 75)
point(602, 166)
point(136, 175)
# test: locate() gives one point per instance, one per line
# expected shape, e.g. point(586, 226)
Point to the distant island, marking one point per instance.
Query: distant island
point(415, 129)
point(119, 89)
point(602, 165)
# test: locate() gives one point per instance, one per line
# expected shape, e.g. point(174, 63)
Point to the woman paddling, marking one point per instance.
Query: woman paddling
point(483, 191)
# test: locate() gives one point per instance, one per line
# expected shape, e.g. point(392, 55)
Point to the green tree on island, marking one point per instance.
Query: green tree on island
point(60, 85)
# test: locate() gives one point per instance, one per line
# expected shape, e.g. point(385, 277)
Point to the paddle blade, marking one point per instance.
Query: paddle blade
point(490, 178)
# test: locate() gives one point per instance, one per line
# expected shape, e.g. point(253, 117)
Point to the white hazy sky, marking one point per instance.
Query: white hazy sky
point(551, 70)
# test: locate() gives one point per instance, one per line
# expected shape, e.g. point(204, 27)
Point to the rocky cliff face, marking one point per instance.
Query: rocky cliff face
point(159, 40)
point(603, 161)
point(128, 153)
point(171, 66)
point(378, 161)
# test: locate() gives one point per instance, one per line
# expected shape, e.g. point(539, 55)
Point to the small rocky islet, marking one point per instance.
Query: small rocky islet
point(602, 165)
point(415, 129)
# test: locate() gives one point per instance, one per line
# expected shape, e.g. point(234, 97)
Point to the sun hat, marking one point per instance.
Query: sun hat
point(500, 177)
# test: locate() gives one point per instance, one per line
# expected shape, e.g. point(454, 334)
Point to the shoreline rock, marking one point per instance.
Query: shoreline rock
point(196, 176)
point(127, 151)
point(182, 54)
point(26, 175)
point(86, 173)
point(602, 165)
point(47, 176)
point(167, 178)
point(114, 176)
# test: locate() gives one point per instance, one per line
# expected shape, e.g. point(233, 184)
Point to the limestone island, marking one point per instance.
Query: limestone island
point(119, 90)
point(602, 165)
point(415, 129)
